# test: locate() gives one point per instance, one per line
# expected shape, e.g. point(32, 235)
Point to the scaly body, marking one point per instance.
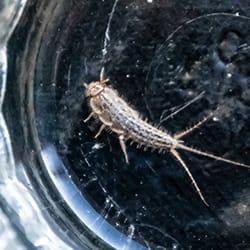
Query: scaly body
point(116, 115)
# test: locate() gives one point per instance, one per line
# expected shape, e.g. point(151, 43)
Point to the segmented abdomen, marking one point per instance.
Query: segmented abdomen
point(128, 120)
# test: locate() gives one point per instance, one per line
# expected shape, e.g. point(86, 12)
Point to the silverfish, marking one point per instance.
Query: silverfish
point(117, 116)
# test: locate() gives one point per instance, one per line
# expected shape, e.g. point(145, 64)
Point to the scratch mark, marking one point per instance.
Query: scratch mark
point(181, 108)
point(166, 235)
point(69, 76)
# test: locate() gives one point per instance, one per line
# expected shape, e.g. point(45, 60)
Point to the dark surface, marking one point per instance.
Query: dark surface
point(160, 56)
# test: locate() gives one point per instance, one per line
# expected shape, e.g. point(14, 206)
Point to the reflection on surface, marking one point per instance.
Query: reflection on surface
point(81, 207)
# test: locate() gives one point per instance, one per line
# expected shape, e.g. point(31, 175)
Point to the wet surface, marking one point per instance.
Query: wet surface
point(159, 57)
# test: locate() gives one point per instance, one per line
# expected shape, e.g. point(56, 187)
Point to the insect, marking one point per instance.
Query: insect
point(117, 116)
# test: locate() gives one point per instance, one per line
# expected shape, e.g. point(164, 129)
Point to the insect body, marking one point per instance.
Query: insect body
point(117, 116)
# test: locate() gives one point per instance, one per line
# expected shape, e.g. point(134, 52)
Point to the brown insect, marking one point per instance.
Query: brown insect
point(117, 116)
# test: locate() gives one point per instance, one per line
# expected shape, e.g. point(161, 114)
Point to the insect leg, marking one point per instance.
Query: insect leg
point(100, 130)
point(123, 147)
point(183, 164)
point(197, 125)
point(89, 117)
